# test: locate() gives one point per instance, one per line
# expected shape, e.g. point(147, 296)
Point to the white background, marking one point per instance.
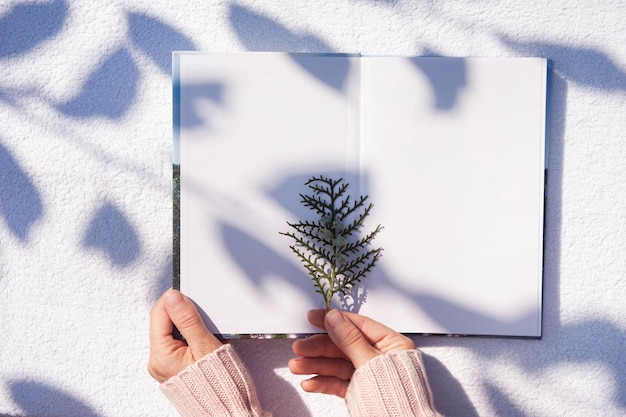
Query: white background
point(85, 232)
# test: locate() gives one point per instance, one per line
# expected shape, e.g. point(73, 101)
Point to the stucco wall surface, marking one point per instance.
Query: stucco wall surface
point(85, 196)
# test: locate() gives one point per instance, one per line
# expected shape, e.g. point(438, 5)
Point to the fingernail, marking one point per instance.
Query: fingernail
point(334, 318)
point(174, 298)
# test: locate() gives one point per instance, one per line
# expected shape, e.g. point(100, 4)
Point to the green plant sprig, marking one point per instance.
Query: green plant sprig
point(330, 248)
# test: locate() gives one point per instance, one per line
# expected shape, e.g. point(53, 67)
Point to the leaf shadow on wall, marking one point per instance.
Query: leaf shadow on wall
point(27, 25)
point(40, 399)
point(109, 91)
point(157, 39)
point(261, 33)
point(20, 202)
point(111, 233)
point(583, 66)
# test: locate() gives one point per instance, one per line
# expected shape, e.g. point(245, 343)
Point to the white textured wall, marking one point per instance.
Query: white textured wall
point(85, 229)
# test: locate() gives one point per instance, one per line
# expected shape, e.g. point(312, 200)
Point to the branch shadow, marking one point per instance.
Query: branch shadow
point(27, 25)
point(20, 201)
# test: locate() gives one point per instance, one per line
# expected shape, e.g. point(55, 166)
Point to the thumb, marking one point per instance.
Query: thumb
point(348, 338)
point(186, 318)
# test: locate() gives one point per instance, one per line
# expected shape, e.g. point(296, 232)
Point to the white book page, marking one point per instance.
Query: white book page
point(454, 153)
point(253, 128)
point(450, 152)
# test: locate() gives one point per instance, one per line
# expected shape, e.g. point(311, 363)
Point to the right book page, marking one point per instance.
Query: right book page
point(453, 157)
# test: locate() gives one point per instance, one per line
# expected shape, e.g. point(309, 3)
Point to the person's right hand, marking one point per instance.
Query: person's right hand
point(352, 340)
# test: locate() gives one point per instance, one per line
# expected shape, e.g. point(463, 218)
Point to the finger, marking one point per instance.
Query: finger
point(339, 368)
point(186, 318)
point(316, 318)
point(167, 355)
point(378, 335)
point(160, 324)
point(318, 345)
point(326, 385)
point(349, 339)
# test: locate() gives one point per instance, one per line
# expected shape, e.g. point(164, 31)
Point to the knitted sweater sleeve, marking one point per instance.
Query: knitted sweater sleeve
point(393, 384)
point(218, 385)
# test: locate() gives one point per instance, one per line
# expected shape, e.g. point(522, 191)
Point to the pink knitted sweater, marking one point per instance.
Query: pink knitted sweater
point(220, 385)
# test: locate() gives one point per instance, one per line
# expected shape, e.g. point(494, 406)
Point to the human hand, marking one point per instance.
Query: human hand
point(168, 356)
point(352, 340)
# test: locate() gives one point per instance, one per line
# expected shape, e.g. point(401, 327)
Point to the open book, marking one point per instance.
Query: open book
point(451, 152)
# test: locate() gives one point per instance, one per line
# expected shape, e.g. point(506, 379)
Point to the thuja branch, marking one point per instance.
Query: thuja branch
point(331, 248)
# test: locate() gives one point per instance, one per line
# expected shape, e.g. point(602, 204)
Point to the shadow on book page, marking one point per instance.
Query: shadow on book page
point(450, 151)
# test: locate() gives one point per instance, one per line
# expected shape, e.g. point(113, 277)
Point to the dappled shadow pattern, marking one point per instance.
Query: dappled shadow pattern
point(20, 203)
point(111, 233)
point(27, 25)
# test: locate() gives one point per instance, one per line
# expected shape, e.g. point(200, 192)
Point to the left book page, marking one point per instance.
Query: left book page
point(251, 129)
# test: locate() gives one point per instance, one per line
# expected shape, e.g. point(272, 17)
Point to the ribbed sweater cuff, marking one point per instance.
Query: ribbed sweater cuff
point(216, 385)
point(393, 384)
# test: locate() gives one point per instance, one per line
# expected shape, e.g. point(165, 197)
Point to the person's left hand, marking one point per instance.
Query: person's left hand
point(169, 356)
